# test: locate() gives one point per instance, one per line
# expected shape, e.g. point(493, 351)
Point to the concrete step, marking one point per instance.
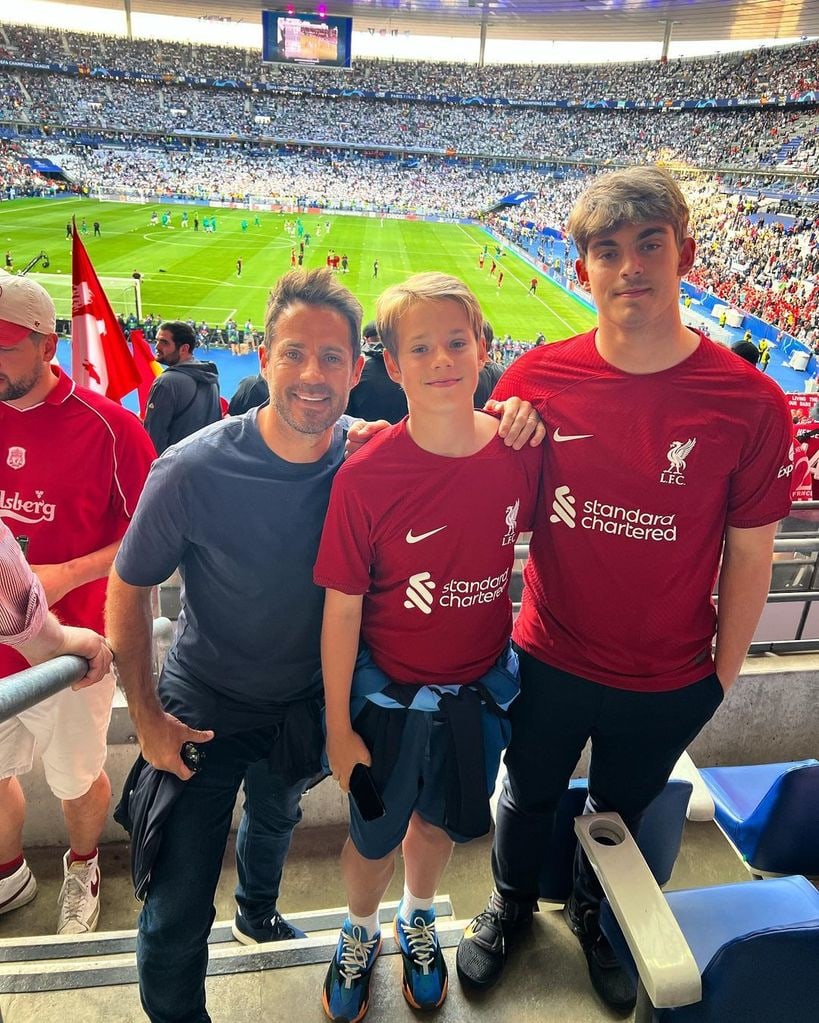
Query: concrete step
point(62, 963)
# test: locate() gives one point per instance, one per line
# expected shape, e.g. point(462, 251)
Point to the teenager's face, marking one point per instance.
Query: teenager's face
point(310, 368)
point(634, 274)
point(438, 356)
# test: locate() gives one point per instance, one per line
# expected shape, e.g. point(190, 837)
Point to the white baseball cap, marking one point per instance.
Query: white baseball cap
point(24, 306)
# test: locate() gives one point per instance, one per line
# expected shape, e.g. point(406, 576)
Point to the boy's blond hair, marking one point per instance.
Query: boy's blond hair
point(636, 195)
point(432, 286)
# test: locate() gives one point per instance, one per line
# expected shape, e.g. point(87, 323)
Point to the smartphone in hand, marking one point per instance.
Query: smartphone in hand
point(365, 794)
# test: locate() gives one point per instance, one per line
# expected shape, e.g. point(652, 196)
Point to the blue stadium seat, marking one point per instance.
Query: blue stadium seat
point(770, 813)
point(659, 839)
point(756, 947)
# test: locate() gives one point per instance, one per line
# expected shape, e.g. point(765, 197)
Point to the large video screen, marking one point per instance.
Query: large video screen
point(306, 39)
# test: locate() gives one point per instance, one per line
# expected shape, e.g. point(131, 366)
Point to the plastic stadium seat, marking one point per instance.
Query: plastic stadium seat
point(770, 813)
point(737, 953)
point(756, 947)
point(659, 839)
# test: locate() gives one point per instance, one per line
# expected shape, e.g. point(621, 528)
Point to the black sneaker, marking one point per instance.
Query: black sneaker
point(485, 944)
point(609, 979)
point(276, 928)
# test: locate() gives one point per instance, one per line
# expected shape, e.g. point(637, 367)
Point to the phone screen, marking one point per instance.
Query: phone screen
point(365, 794)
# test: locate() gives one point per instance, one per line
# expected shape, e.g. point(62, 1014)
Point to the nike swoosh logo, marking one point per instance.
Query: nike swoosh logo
point(560, 437)
point(423, 536)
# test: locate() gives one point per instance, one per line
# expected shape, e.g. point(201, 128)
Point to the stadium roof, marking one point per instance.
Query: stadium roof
point(740, 21)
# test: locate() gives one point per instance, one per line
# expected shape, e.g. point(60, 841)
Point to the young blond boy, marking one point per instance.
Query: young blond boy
point(416, 557)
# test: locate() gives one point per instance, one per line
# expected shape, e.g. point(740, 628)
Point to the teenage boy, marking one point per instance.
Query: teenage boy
point(667, 451)
point(416, 555)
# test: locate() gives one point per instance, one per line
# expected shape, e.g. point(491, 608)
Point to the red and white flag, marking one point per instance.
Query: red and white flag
point(100, 357)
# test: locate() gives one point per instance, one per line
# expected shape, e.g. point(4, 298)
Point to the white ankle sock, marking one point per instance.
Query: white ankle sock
point(369, 923)
point(410, 903)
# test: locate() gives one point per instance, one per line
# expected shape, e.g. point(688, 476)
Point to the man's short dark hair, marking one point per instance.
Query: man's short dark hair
point(370, 331)
point(317, 287)
point(746, 350)
point(181, 333)
point(488, 333)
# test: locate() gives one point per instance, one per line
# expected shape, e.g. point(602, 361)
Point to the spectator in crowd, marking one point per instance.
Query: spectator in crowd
point(186, 396)
point(246, 670)
point(376, 395)
point(76, 521)
point(251, 392)
point(448, 457)
point(746, 350)
point(490, 372)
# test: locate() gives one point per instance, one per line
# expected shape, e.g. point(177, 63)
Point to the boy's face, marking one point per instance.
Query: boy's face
point(439, 356)
point(634, 273)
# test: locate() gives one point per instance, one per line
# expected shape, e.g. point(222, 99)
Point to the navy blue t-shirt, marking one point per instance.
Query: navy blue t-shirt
point(243, 526)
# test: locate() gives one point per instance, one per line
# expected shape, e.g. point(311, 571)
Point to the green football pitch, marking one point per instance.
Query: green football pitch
point(192, 275)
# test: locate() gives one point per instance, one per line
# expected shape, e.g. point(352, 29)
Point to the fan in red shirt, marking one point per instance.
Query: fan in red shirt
point(72, 466)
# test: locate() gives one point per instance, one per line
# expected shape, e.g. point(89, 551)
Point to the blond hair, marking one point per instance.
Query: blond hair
point(636, 195)
point(432, 286)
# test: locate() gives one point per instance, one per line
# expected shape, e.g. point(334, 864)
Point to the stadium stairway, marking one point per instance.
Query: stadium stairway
point(91, 979)
point(786, 150)
point(769, 715)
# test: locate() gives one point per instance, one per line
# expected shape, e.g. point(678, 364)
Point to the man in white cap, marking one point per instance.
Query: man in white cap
point(72, 466)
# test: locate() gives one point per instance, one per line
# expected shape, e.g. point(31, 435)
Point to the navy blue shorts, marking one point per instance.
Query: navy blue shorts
point(417, 783)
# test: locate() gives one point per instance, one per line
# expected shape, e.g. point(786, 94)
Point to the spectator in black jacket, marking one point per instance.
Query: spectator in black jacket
point(490, 373)
point(186, 397)
point(376, 396)
point(251, 392)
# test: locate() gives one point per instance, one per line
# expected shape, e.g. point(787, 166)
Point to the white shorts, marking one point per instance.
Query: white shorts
point(69, 731)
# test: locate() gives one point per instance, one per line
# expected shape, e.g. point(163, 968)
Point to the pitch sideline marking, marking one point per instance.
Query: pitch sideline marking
point(511, 273)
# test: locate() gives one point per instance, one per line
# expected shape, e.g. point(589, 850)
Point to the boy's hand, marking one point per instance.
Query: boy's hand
point(343, 753)
point(520, 422)
point(362, 431)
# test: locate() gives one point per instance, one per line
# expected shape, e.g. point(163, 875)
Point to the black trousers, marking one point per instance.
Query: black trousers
point(636, 740)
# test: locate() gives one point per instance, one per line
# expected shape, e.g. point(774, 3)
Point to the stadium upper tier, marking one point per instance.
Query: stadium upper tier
point(763, 138)
point(788, 71)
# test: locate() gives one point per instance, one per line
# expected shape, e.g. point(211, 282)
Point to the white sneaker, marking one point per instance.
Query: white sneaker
point(79, 898)
point(17, 889)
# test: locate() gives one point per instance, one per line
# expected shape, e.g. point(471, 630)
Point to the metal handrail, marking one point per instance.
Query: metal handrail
point(25, 688)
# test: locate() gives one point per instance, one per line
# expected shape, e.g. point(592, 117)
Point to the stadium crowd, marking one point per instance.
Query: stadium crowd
point(749, 138)
point(787, 71)
point(766, 266)
point(768, 269)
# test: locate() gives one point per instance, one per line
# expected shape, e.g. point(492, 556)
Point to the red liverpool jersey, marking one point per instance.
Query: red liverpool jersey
point(430, 541)
point(642, 474)
point(71, 471)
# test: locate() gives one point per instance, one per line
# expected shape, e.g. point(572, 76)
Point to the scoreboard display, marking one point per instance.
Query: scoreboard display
point(306, 39)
